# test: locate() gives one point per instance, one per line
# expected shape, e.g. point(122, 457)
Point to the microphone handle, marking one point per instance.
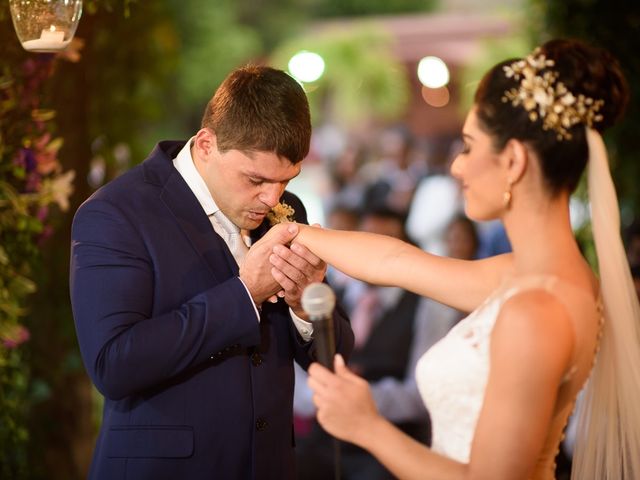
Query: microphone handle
point(325, 350)
point(325, 340)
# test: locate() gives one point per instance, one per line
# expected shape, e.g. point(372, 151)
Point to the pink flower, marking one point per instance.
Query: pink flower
point(46, 233)
point(46, 153)
point(19, 335)
point(42, 213)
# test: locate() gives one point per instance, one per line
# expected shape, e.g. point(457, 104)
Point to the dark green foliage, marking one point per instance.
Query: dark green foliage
point(349, 8)
point(614, 25)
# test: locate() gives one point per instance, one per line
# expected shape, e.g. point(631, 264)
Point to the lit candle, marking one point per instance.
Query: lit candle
point(50, 40)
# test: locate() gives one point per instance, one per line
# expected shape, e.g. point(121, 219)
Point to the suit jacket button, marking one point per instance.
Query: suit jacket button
point(261, 424)
point(256, 359)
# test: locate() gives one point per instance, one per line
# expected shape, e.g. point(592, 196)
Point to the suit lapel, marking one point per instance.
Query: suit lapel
point(191, 219)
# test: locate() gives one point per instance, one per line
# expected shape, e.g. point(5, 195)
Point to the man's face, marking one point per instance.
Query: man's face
point(246, 185)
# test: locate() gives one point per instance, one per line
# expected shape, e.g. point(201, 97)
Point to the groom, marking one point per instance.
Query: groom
point(183, 328)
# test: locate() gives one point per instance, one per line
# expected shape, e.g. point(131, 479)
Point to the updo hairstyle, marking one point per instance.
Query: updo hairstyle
point(583, 69)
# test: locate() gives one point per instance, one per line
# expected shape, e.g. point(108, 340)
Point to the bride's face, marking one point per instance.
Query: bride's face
point(480, 173)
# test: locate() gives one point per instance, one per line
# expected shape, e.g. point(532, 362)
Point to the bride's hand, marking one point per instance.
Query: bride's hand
point(345, 406)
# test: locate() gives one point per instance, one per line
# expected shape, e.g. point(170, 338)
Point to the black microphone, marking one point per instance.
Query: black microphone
point(318, 301)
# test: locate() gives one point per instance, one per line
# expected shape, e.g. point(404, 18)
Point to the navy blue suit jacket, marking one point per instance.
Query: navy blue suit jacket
point(195, 387)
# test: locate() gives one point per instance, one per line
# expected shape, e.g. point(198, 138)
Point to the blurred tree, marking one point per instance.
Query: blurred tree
point(31, 182)
point(362, 79)
point(351, 8)
point(211, 42)
point(614, 25)
point(491, 52)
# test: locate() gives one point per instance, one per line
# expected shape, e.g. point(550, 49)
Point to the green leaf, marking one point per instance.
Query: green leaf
point(21, 286)
point(43, 115)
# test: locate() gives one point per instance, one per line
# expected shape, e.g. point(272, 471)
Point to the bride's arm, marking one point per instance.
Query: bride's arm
point(383, 260)
point(408, 459)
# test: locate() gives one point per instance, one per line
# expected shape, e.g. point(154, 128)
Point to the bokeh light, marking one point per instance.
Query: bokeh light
point(436, 97)
point(433, 72)
point(306, 66)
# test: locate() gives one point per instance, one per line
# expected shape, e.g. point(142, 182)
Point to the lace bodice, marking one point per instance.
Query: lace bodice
point(452, 375)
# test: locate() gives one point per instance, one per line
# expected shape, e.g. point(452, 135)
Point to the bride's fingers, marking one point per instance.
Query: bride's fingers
point(339, 366)
point(322, 396)
point(316, 385)
point(320, 372)
point(320, 383)
point(343, 371)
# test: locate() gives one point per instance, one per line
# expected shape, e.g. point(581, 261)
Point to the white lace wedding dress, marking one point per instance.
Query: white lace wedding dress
point(452, 375)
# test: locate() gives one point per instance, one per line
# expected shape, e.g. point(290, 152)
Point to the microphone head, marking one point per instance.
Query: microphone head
point(318, 300)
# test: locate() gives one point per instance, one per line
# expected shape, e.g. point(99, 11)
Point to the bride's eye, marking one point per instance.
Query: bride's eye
point(465, 149)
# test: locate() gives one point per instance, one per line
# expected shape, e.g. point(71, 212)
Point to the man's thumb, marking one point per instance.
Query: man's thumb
point(289, 233)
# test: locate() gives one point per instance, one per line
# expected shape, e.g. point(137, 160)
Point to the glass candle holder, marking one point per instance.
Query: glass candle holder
point(45, 25)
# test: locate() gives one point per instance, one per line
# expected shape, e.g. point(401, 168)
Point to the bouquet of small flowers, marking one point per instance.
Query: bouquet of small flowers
point(281, 213)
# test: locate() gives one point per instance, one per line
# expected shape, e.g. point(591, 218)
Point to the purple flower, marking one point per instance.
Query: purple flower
point(27, 159)
point(42, 213)
point(33, 182)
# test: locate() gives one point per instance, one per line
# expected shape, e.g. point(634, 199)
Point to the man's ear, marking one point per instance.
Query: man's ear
point(205, 143)
point(515, 158)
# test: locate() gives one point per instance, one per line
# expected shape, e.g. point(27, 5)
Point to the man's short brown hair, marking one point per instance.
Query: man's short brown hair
point(259, 108)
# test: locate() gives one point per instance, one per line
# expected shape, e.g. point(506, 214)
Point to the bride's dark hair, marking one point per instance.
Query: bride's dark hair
point(583, 69)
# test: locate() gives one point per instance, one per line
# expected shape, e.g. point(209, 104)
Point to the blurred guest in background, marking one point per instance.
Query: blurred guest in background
point(436, 202)
point(393, 173)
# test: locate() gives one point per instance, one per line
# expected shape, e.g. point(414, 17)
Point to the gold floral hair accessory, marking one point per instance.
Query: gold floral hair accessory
point(281, 213)
point(544, 97)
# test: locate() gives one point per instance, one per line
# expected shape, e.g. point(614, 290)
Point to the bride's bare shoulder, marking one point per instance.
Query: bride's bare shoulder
point(534, 327)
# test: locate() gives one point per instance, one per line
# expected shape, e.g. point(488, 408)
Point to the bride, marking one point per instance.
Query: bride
point(501, 386)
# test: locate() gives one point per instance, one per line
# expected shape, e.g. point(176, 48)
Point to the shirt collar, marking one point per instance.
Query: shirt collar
point(187, 169)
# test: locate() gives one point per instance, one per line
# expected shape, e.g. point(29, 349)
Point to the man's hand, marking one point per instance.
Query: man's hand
point(294, 268)
point(256, 270)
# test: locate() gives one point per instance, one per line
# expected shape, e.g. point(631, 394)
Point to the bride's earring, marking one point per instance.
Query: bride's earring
point(506, 196)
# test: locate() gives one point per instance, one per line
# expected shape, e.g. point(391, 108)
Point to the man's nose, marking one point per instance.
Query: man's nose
point(271, 194)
